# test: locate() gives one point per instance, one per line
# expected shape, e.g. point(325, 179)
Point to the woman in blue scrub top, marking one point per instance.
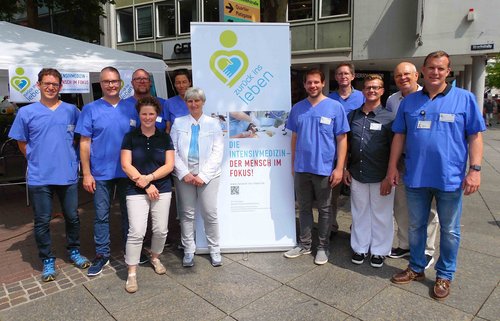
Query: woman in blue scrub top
point(147, 157)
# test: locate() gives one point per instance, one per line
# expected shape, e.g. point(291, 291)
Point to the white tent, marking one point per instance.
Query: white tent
point(28, 47)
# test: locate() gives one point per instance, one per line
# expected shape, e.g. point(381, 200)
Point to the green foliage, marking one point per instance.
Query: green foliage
point(493, 73)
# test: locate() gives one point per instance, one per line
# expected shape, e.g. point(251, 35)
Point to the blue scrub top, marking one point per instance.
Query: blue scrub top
point(106, 126)
point(316, 129)
point(174, 107)
point(161, 122)
point(49, 135)
point(437, 156)
point(354, 101)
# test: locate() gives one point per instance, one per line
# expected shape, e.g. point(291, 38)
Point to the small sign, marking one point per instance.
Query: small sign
point(484, 46)
point(242, 10)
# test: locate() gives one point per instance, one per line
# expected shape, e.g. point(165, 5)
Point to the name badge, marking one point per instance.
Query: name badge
point(70, 128)
point(133, 123)
point(159, 119)
point(447, 118)
point(375, 126)
point(326, 120)
point(424, 124)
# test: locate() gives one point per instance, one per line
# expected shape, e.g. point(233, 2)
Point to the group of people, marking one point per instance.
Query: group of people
point(133, 146)
point(142, 145)
point(424, 134)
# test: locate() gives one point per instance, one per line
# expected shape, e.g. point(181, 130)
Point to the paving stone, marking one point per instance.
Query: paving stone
point(4, 300)
point(4, 306)
point(34, 290)
point(80, 280)
point(286, 303)
point(393, 303)
point(17, 301)
point(30, 285)
point(74, 304)
point(491, 308)
point(66, 286)
point(51, 290)
point(340, 288)
point(36, 295)
point(14, 288)
point(16, 294)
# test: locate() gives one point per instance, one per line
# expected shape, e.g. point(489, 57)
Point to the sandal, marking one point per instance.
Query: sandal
point(157, 266)
point(131, 285)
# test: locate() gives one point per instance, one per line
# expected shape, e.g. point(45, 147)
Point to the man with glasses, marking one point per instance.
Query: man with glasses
point(141, 82)
point(405, 77)
point(371, 194)
point(350, 99)
point(44, 132)
point(102, 126)
point(438, 128)
point(176, 106)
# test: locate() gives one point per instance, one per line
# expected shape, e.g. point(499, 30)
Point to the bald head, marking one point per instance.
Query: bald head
point(405, 77)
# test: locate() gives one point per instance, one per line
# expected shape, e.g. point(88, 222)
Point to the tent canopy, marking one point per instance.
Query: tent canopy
point(22, 46)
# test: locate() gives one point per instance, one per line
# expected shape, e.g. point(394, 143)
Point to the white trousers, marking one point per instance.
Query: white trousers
point(139, 207)
point(403, 221)
point(205, 197)
point(372, 226)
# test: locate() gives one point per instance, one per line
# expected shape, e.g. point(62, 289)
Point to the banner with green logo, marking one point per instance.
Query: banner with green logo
point(244, 70)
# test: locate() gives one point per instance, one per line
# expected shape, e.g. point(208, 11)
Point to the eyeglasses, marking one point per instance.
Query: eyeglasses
point(368, 88)
point(48, 84)
point(110, 82)
point(141, 79)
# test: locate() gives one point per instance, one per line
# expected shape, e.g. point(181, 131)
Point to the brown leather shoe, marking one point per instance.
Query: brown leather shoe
point(441, 289)
point(407, 276)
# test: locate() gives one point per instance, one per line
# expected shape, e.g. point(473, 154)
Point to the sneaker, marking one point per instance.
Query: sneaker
point(131, 285)
point(296, 252)
point(158, 266)
point(188, 260)
point(430, 261)
point(97, 265)
point(377, 261)
point(144, 258)
point(398, 253)
point(216, 259)
point(78, 260)
point(321, 257)
point(407, 276)
point(49, 270)
point(358, 258)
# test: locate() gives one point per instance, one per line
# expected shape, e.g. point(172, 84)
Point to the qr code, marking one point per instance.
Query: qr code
point(235, 190)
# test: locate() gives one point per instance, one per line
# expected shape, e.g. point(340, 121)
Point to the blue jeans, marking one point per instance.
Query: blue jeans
point(41, 198)
point(449, 209)
point(102, 203)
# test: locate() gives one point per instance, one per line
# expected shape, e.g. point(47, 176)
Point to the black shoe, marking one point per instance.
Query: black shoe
point(377, 261)
point(144, 258)
point(399, 253)
point(430, 261)
point(358, 258)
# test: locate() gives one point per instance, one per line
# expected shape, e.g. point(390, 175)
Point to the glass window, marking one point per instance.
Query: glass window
point(302, 37)
point(334, 7)
point(125, 25)
point(300, 9)
point(334, 35)
point(187, 13)
point(165, 19)
point(211, 10)
point(144, 16)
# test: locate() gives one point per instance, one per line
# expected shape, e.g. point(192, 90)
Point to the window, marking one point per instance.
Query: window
point(334, 35)
point(144, 17)
point(300, 9)
point(211, 10)
point(333, 8)
point(125, 25)
point(187, 12)
point(165, 17)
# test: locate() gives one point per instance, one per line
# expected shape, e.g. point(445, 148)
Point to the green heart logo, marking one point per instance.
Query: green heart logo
point(20, 83)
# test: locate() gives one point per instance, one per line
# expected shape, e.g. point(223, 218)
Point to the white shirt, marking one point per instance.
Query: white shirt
point(394, 100)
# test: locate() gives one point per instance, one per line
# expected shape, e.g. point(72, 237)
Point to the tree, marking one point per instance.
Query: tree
point(77, 18)
point(493, 73)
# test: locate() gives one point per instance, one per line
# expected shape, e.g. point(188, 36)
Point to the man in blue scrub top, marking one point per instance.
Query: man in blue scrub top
point(319, 146)
point(141, 82)
point(176, 106)
point(350, 99)
point(44, 132)
point(441, 126)
point(102, 125)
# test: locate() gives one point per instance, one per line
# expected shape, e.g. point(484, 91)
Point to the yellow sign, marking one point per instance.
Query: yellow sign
point(242, 10)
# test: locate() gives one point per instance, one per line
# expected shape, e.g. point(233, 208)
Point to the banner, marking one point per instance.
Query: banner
point(75, 82)
point(126, 89)
point(246, 79)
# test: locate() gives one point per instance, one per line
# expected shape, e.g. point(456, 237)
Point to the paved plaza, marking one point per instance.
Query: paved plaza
point(250, 286)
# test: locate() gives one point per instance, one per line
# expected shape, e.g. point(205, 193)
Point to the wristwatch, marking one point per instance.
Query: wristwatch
point(475, 167)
